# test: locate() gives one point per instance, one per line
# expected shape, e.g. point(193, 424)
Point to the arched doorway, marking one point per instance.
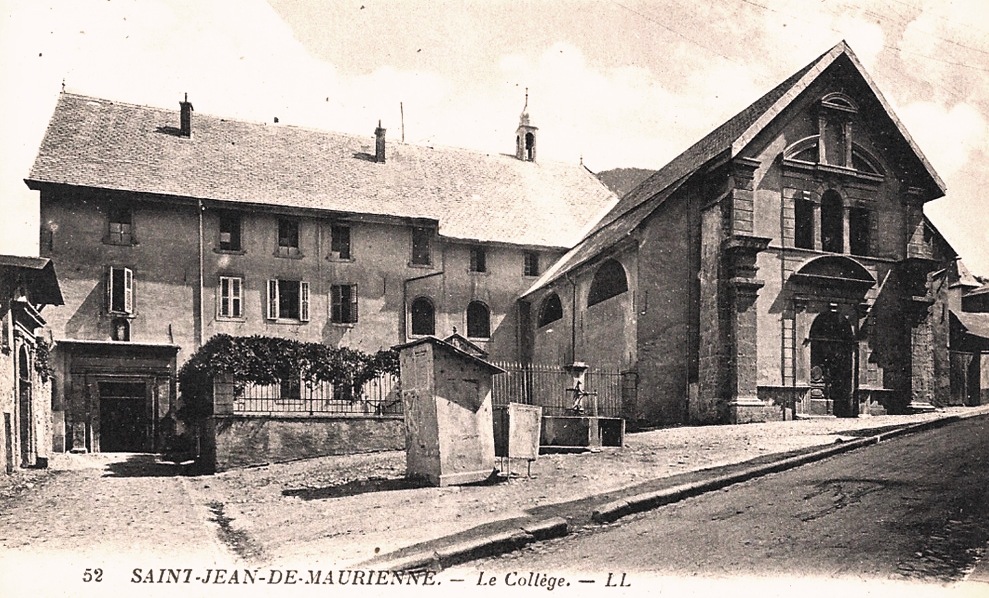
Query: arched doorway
point(832, 347)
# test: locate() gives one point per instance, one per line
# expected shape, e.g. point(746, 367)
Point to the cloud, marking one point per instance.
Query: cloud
point(947, 135)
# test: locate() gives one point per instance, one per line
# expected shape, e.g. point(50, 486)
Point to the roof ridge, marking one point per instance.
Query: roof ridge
point(313, 129)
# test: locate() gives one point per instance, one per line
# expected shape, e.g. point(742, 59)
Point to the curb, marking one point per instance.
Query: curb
point(557, 527)
point(610, 512)
point(489, 545)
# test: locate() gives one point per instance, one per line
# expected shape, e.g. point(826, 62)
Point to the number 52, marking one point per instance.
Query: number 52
point(92, 575)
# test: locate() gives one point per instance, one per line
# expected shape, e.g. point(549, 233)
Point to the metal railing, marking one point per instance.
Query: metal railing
point(546, 386)
point(378, 397)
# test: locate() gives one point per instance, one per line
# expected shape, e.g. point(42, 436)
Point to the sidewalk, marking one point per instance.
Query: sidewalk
point(359, 510)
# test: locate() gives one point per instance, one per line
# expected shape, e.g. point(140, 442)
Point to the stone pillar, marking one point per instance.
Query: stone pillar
point(743, 287)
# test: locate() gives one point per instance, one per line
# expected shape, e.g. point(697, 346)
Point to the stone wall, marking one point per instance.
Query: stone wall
point(238, 441)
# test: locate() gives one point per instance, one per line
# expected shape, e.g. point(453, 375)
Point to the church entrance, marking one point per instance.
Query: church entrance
point(832, 346)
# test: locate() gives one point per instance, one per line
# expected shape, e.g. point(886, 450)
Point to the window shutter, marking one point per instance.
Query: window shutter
point(109, 290)
point(353, 303)
point(235, 307)
point(303, 301)
point(336, 315)
point(272, 299)
point(221, 298)
point(128, 291)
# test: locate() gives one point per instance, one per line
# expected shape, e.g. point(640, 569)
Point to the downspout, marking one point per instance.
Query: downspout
point(202, 279)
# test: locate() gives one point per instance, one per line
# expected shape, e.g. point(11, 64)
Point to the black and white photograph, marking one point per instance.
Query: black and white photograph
point(463, 297)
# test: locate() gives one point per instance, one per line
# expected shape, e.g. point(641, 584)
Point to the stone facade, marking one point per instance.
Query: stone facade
point(790, 273)
point(27, 438)
point(314, 240)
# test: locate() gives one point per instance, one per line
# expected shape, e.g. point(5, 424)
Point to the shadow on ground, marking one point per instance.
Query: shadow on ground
point(142, 465)
point(354, 488)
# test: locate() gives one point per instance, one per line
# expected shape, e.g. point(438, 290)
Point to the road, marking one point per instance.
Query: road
point(911, 508)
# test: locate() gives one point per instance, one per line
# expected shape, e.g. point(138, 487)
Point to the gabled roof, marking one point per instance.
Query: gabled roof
point(37, 274)
point(727, 141)
point(99, 143)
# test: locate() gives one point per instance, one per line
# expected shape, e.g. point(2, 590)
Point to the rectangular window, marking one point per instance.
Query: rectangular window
point(421, 239)
point(343, 303)
point(288, 237)
point(229, 231)
point(288, 300)
point(230, 300)
point(803, 223)
point(340, 241)
point(478, 259)
point(120, 229)
point(530, 263)
point(858, 229)
point(120, 290)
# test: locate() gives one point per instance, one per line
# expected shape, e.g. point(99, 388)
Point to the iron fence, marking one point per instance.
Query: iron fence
point(550, 387)
point(378, 397)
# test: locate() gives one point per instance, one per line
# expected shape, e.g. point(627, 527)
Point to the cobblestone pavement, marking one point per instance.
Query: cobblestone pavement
point(337, 511)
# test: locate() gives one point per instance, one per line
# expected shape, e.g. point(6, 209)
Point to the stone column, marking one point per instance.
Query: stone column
point(743, 287)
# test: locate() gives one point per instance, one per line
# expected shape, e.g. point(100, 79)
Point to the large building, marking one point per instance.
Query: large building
point(781, 264)
point(172, 226)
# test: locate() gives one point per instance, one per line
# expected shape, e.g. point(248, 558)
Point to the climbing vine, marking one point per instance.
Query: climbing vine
point(43, 361)
point(268, 360)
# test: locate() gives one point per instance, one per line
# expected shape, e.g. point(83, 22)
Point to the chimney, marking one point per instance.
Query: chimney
point(379, 144)
point(185, 117)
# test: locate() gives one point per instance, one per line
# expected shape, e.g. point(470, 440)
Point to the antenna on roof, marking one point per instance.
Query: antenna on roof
point(401, 110)
point(526, 100)
point(63, 84)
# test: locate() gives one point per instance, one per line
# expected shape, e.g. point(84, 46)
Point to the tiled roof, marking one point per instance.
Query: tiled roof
point(728, 140)
point(99, 143)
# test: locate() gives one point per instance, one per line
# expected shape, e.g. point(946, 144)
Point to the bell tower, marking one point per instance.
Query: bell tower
point(525, 135)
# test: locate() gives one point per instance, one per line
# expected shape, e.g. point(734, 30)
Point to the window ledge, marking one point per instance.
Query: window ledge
point(343, 260)
point(298, 255)
point(478, 272)
point(421, 267)
point(230, 319)
point(343, 324)
point(121, 314)
point(230, 251)
point(287, 322)
point(131, 243)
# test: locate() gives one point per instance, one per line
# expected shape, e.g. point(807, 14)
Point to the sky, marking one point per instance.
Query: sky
point(611, 83)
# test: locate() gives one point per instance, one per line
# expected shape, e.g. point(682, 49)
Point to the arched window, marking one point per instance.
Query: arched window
point(478, 320)
point(24, 364)
point(423, 317)
point(832, 222)
point(551, 310)
point(608, 281)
